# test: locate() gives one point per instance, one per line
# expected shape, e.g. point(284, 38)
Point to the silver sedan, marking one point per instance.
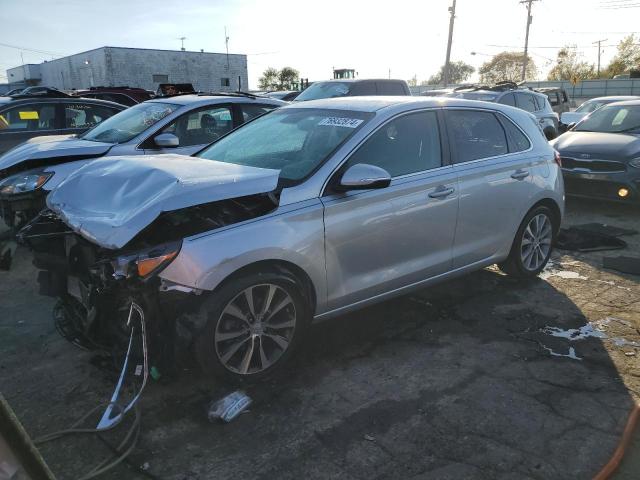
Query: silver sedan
point(305, 213)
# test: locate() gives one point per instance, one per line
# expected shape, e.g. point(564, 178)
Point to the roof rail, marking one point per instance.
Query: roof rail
point(229, 94)
point(41, 92)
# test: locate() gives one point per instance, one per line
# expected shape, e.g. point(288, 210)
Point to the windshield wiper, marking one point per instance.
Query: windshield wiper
point(637, 127)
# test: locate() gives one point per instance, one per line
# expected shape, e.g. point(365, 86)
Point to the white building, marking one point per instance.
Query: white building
point(135, 67)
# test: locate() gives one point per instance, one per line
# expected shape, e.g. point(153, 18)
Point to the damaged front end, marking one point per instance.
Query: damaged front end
point(96, 286)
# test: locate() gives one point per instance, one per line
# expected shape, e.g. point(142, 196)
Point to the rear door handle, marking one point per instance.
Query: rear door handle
point(520, 174)
point(441, 192)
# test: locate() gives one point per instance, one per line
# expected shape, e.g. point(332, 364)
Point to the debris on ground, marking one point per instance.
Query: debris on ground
point(576, 239)
point(622, 264)
point(229, 407)
point(606, 229)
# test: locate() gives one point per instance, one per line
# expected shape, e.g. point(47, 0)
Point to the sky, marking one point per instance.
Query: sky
point(405, 38)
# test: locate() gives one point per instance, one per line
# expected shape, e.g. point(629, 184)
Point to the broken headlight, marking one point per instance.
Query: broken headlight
point(146, 263)
point(24, 182)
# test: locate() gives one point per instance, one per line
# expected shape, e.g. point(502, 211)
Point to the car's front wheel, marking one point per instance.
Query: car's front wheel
point(254, 324)
point(532, 245)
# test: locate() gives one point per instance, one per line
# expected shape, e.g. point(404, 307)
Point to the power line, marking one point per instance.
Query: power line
point(30, 49)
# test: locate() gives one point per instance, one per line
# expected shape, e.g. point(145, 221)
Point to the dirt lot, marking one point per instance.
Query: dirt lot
point(452, 382)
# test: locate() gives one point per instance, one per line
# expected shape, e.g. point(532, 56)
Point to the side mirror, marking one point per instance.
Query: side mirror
point(363, 176)
point(167, 140)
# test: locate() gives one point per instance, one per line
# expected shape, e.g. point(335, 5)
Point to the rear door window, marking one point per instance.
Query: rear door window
point(526, 101)
point(508, 99)
point(390, 88)
point(252, 111)
point(201, 126)
point(85, 115)
point(363, 88)
point(475, 134)
point(27, 118)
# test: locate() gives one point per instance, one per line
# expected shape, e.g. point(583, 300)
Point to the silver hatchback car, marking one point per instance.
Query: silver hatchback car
point(305, 213)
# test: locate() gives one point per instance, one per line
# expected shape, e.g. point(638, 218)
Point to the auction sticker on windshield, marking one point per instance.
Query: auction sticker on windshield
point(341, 122)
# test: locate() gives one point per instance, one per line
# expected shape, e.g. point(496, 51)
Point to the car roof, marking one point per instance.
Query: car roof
point(374, 103)
point(354, 80)
point(203, 99)
point(614, 98)
point(4, 101)
point(499, 93)
point(629, 103)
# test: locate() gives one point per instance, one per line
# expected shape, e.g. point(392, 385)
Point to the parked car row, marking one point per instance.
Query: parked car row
point(509, 93)
point(303, 213)
point(182, 125)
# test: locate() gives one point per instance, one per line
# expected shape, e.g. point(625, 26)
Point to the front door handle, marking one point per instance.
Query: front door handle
point(441, 192)
point(520, 174)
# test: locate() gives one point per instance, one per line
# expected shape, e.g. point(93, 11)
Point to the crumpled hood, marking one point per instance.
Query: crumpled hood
point(110, 200)
point(607, 146)
point(51, 147)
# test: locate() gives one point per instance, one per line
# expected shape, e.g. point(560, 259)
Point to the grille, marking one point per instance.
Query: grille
point(605, 166)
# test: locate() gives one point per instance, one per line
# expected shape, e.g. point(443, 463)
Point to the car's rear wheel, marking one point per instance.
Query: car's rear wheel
point(532, 245)
point(254, 325)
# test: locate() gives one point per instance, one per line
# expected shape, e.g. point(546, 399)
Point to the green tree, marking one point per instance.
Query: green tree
point(627, 57)
point(458, 73)
point(274, 79)
point(568, 67)
point(287, 77)
point(507, 66)
point(269, 79)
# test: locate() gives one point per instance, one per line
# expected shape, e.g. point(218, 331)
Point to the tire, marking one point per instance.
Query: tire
point(267, 339)
point(520, 263)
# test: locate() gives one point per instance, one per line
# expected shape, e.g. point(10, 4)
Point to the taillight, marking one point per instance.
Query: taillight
point(557, 158)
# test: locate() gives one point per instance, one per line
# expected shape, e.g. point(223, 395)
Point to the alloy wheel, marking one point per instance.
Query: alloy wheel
point(255, 329)
point(536, 242)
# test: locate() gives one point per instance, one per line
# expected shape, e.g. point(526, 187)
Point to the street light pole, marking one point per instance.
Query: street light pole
point(526, 38)
point(445, 73)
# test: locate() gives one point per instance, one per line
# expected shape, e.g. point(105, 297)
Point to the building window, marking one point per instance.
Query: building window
point(161, 78)
point(225, 82)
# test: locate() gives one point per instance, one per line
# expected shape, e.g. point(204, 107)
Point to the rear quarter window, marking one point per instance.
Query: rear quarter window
point(518, 141)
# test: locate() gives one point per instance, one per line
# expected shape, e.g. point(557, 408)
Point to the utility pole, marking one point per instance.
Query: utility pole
point(526, 38)
point(226, 42)
point(599, 52)
point(445, 73)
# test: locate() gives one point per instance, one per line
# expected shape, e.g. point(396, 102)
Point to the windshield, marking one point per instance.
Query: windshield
point(295, 141)
point(612, 119)
point(129, 123)
point(590, 106)
point(324, 90)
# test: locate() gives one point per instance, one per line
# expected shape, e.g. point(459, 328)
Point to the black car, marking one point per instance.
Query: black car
point(49, 112)
point(128, 96)
point(601, 154)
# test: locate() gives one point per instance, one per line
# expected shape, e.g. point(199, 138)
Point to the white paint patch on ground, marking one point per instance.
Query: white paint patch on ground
point(566, 274)
point(572, 353)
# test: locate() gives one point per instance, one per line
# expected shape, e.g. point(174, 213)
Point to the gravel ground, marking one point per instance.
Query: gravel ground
point(454, 382)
